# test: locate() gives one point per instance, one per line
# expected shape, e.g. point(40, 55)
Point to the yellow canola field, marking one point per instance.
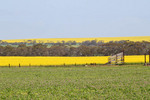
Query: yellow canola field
point(136, 59)
point(45, 61)
point(105, 39)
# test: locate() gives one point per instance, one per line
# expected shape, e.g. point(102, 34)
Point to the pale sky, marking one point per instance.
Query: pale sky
point(22, 19)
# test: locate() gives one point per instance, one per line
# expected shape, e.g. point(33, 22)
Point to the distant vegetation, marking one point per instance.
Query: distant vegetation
point(104, 39)
point(73, 48)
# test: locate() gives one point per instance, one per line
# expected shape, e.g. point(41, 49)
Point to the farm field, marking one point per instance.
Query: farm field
point(94, 83)
point(46, 61)
point(105, 39)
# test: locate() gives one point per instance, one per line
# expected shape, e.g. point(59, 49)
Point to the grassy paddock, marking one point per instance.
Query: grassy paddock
point(105, 82)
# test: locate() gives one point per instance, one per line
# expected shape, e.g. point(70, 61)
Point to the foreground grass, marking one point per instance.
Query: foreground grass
point(116, 82)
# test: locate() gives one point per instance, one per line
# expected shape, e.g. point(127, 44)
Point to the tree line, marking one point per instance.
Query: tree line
point(87, 48)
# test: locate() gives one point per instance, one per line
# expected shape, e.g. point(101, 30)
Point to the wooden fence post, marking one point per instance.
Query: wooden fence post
point(149, 56)
point(109, 60)
point(123, 56)
point(19, 65)
point(9, 65)
point(145, 58)
point(116, 59)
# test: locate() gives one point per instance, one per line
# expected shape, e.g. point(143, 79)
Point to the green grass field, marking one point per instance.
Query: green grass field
point(102, 82)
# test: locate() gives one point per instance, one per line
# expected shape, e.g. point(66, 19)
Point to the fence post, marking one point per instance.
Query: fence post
point(145, 58)
point(149, 56)
point(109, 60)
point(123, 56)
point(19, 65)
point(116, 59)
point(9, 65)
